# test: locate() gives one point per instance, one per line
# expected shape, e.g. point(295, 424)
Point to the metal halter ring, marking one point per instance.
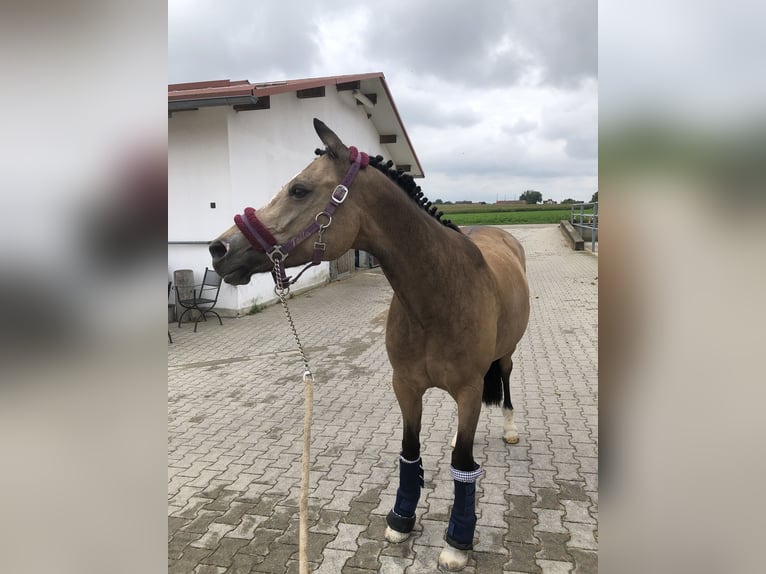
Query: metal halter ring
point(276, 254)
point(327, 215)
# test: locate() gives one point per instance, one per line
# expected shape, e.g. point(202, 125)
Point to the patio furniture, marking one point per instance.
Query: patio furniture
point(203, 299)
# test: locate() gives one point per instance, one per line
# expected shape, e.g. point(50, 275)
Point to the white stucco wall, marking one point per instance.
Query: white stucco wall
point(240, 159)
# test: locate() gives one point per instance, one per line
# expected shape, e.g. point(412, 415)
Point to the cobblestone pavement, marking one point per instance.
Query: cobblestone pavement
point(235, 418)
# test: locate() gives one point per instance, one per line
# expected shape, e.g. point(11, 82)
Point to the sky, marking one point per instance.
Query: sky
point(497, 97)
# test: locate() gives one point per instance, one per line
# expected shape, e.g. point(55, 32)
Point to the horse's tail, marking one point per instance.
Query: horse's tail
point(493, 385)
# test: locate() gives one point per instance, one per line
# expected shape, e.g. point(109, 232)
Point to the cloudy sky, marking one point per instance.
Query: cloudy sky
point(497, 97)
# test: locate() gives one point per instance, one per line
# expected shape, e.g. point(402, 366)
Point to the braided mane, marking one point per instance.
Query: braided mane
point(407, 184)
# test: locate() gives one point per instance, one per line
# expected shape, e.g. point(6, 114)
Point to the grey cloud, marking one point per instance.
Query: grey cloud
point(507, 158)
point(491, 43)
point(482, 43)
point(582, 146)
point(449, 40)
point(247, 40)
point(420, 109)
point(563, 35)
point(520, 126)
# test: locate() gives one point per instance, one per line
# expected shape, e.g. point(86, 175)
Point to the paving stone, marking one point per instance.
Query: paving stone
point(333, 561)
point(277, 558)
point(394, 565)
point(178, 543)
point(548, 498)
point(572, 490)
point(553, 546)
point(523, 558)
point(492, 514)
point(489, 562)
point(544, 478)
point(346, 537)
point(367, 555)
point(520, 506)
point(583, 536)
point(225, 552)
point(235, 437)
point(243, 563)
point(192, 507)
point(521, 530)
point(209, 569)
point(245, 529)
point(426, 559)
point(520, 486)
point(550, 520)
point(577, 511)
point(341, 500)
point(554, 567)
point(280, 518)
point(189, 560)
point(586, 561)
point(567, 471)
point(212, 537)
point(202, 522)
point(261, 541)
point(316, 546)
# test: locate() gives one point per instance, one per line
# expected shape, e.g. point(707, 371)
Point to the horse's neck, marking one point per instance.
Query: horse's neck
point(418, 255)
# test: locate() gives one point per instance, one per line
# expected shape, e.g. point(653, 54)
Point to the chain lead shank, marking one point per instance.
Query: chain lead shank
point(282, 292)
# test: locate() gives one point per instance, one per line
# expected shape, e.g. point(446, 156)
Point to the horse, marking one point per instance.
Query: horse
point(460, 302)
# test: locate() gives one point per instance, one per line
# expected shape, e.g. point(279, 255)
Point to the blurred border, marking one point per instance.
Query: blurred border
point(682, 278)
point(82, 336)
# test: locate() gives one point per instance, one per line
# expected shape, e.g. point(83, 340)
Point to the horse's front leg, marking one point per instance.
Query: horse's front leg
point(465, 471)
point(401, 519)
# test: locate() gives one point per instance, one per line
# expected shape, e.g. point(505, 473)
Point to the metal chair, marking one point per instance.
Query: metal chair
point(204, 300)
point(170, 339)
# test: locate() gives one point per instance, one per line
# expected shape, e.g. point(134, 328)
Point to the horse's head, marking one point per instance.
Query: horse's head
point(310, 210)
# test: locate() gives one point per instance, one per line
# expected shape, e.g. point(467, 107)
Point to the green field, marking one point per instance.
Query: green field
point(478, 214)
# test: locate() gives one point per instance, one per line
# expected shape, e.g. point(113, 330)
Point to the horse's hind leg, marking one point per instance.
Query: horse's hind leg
point(510, 432)
point(465, 472)
point(401, 519)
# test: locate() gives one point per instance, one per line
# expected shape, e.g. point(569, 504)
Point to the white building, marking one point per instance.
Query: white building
point(235, 144)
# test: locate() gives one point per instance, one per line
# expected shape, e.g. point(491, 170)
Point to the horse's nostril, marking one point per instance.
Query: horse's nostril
point(218, 250)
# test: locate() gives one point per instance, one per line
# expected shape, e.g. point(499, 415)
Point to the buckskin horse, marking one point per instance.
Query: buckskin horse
point(460, 303)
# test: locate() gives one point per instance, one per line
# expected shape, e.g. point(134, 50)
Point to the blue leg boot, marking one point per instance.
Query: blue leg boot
point(402, 517)
point(462, 521)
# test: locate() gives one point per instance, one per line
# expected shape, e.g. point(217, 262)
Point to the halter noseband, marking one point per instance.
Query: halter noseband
point(264, 241)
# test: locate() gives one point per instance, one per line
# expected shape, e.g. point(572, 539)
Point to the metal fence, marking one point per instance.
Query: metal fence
point(584, 218)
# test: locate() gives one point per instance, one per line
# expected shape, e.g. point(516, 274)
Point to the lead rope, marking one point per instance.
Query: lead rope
point(308, 403)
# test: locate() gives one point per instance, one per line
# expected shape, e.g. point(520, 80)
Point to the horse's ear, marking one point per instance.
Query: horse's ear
point(335, 147)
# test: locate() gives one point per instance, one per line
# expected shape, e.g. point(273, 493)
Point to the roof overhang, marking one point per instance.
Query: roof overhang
point(194, 104)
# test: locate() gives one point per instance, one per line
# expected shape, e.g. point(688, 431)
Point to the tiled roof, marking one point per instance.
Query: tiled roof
point(224, 88)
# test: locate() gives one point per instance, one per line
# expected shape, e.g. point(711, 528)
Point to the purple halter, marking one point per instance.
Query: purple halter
point(264, 241)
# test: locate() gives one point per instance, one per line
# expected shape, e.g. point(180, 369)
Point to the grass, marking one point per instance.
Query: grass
point(509, 217)
point(478, 214)
point(255, 309)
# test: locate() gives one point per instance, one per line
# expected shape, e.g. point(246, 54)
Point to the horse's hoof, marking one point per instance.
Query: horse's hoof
point(396, 537)
point(452, 559)
point(511, 439)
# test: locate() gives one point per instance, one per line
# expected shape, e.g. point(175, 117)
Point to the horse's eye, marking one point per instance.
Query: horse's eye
point(298, 192)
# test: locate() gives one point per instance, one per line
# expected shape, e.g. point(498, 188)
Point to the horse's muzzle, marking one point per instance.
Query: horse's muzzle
point(218, 250)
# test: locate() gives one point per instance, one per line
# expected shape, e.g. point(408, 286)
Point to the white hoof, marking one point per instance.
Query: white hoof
point(453, 441)
point(510, 431)
point(452, 559)
point(511, 438)
point(396, 537)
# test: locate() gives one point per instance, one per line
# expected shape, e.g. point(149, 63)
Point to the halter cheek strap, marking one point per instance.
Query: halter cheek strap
point(264, 241)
